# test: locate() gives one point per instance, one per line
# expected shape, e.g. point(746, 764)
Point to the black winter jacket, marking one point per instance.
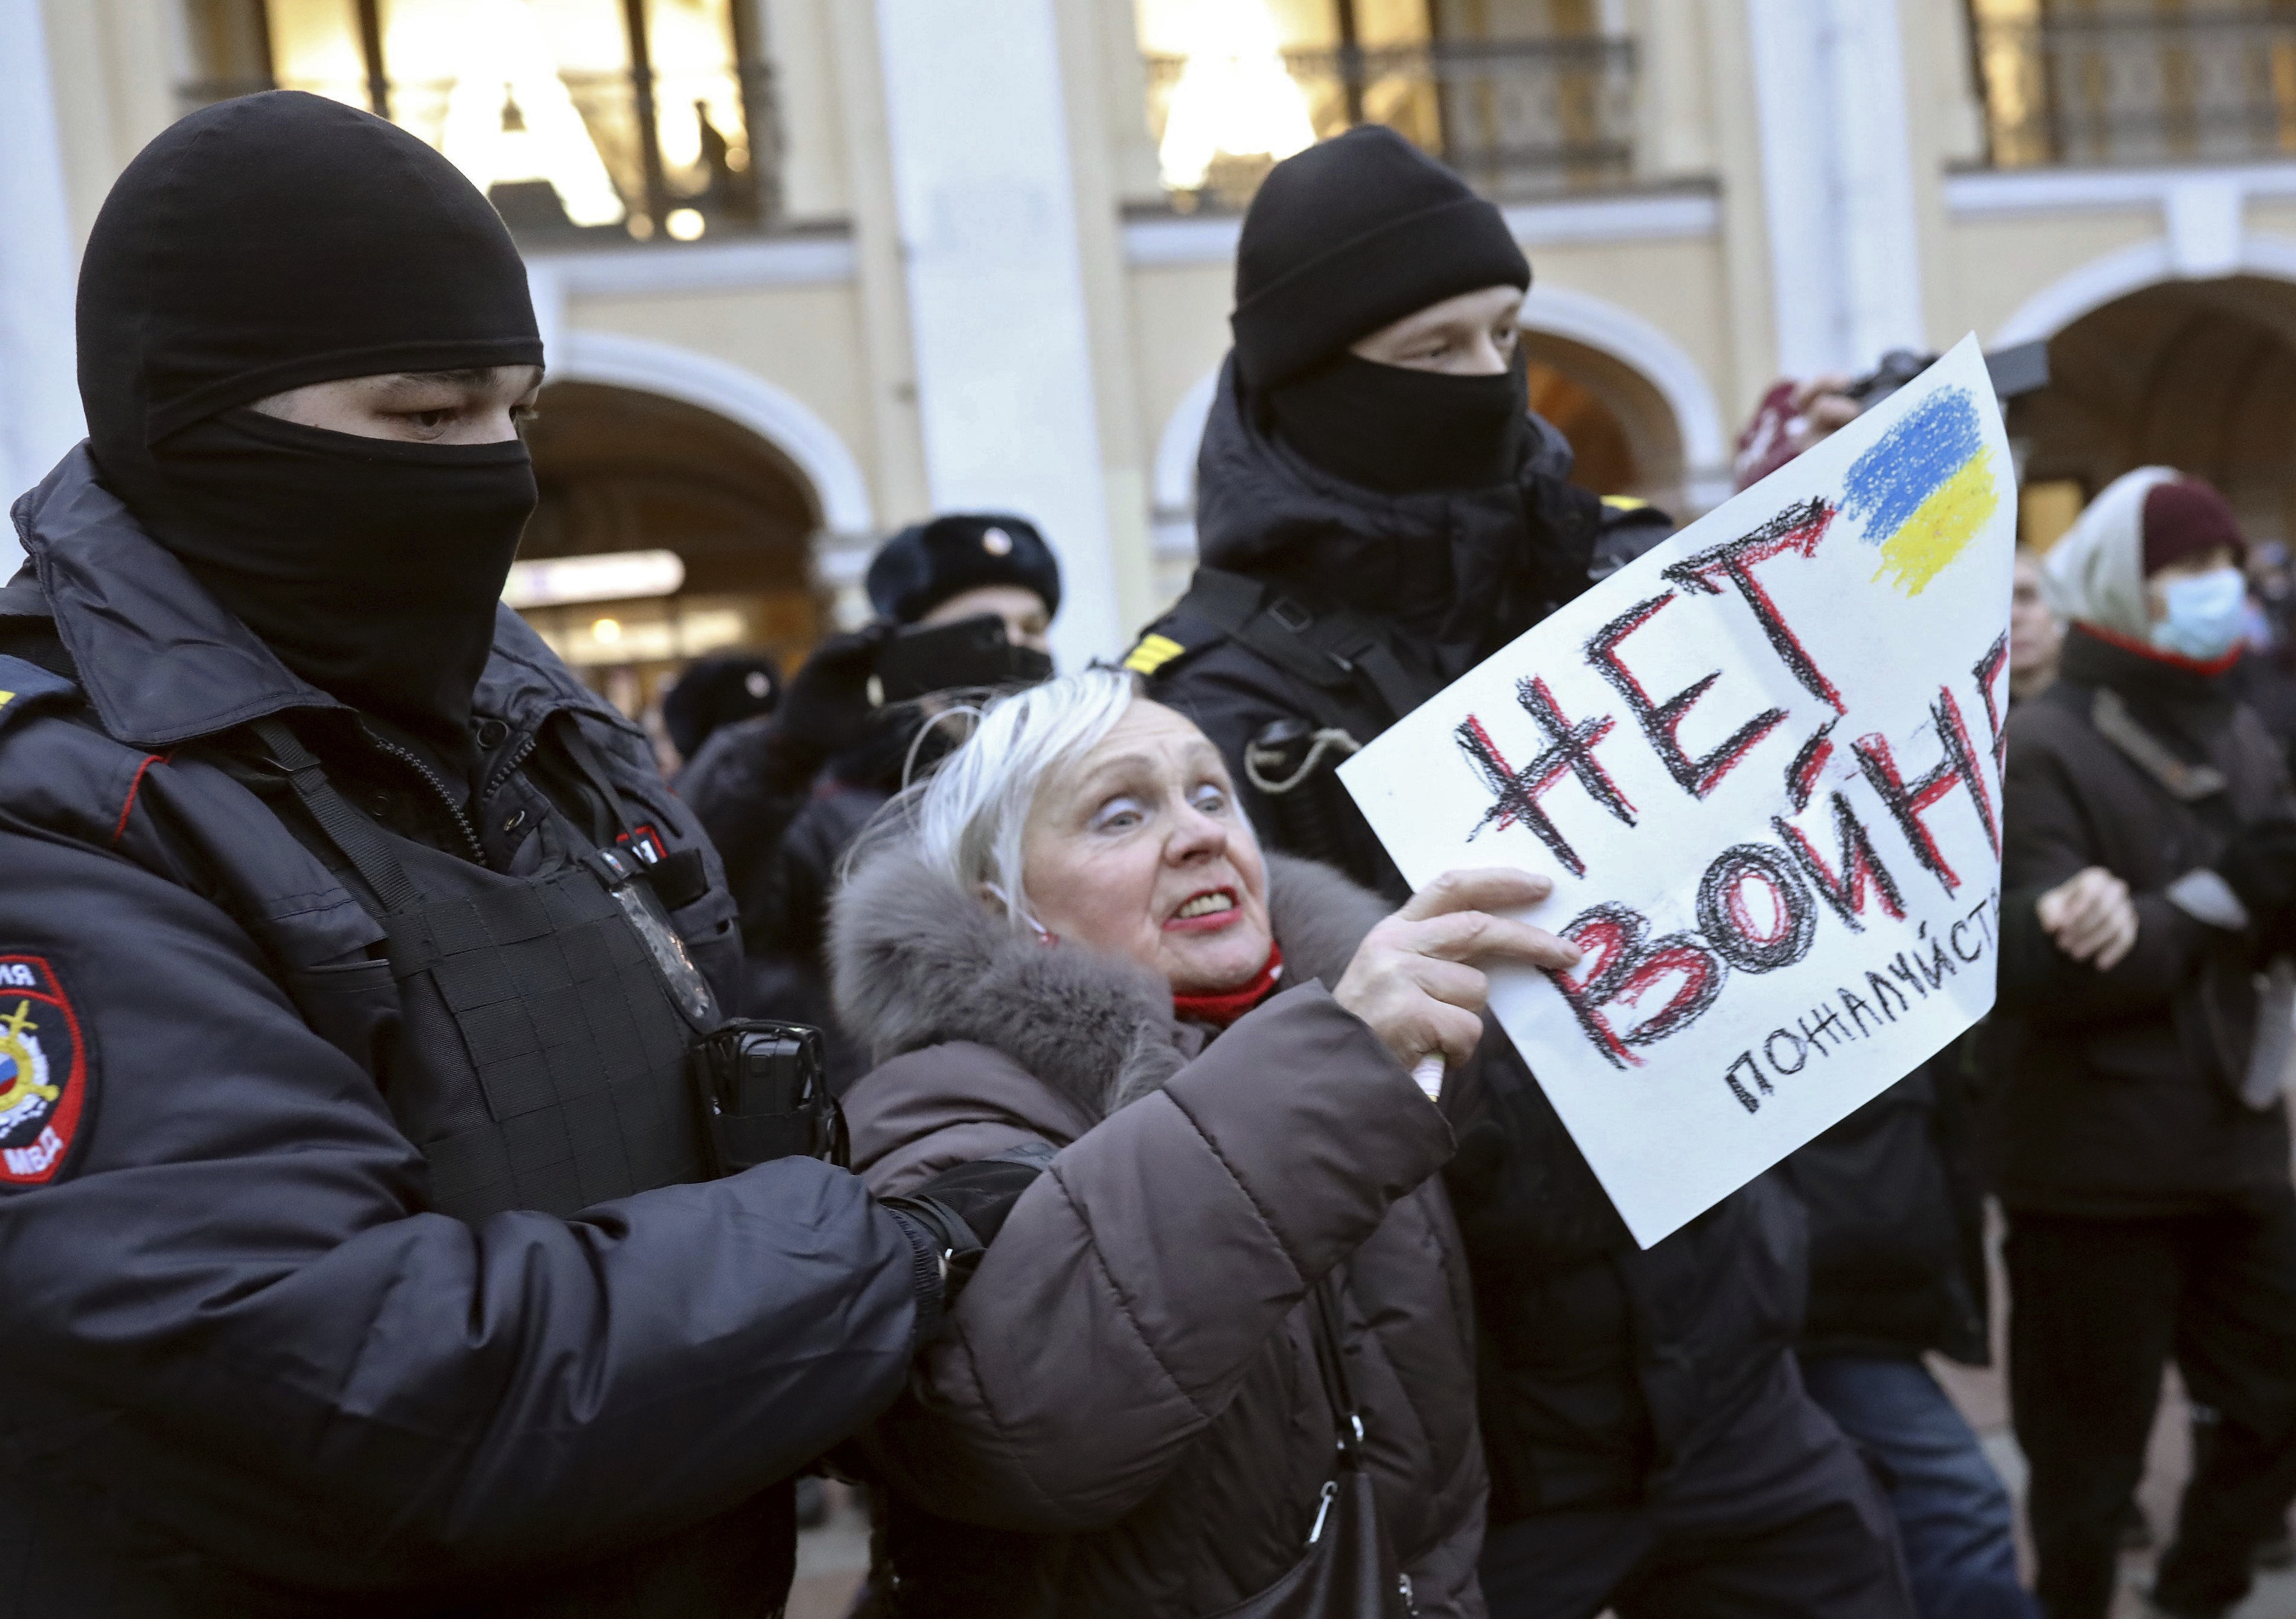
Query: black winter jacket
point(251, 1372)
point(1895, 1211)
point(782, 851)
point(1599, 1363)
point(2118, 1091)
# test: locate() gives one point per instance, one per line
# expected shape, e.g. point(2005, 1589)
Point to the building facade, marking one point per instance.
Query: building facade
point(810, 269)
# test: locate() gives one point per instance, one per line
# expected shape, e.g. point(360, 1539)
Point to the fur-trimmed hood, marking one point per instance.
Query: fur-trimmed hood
point(916, 961)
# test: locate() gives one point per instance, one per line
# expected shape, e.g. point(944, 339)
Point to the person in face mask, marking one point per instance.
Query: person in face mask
point(1377, 511)
point(2139, 1135)
point(366, 1245)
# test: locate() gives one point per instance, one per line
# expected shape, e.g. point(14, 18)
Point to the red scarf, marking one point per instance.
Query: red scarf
point(1224, 1008)
point(2161, 654)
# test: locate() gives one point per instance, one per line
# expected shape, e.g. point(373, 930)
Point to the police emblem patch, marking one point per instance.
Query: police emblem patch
point(43, 1071)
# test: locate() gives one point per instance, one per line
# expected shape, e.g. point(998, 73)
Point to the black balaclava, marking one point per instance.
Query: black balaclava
point(1343, 239)
point(1403, 431)
point(280, 239)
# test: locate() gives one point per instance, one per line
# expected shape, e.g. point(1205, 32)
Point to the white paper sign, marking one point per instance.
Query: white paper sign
point(1763, 766)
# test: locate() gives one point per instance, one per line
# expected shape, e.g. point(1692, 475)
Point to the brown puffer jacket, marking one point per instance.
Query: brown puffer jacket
point(1123, 1415)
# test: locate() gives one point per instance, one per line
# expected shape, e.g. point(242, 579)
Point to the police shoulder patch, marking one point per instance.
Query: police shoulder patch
point(1151, 652)
point(42, 1072)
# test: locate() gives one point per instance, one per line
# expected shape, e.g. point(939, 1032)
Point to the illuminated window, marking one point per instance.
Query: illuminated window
point(1524, 97)
point(2135, 81)
point(621, 116)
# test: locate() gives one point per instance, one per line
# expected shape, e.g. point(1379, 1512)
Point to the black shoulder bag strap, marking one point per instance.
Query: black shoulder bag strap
point(1348, 1569)
point(1337, 650)
point(358, 838)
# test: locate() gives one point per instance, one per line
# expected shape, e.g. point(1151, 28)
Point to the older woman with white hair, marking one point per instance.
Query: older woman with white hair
point(1066, 947)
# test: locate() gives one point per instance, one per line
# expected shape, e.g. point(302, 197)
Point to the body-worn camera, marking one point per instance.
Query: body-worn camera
point(764, 1094)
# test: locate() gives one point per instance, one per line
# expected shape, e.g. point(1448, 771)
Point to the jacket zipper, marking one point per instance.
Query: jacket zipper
point(518, 756)
point(462, 821)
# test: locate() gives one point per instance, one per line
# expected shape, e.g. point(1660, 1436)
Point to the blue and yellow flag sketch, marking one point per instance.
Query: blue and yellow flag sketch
point(1924, 490)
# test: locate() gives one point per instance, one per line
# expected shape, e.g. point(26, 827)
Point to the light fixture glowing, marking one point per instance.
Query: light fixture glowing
point(1233, 97)
point(685, 224)
point(607, 630)
point(601, 576)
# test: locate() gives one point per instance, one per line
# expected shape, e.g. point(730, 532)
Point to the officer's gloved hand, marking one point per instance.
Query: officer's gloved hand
point(2260, 866)
point(827, 709)
point(960, 1210)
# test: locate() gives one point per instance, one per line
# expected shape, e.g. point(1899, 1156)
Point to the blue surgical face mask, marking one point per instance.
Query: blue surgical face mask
point(2204, 615)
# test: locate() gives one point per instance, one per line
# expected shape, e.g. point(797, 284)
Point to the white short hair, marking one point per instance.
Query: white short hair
point(967, 818)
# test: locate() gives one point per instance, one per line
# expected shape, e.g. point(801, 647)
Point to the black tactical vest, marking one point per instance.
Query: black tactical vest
point(539, 1055)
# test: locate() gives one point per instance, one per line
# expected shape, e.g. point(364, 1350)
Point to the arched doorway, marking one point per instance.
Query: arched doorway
point(625, 471)
point(2200, 375)
point(1623, 433)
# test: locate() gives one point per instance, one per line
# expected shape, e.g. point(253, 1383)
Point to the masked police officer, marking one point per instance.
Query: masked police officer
point(358, 1240)
point(1378, 512)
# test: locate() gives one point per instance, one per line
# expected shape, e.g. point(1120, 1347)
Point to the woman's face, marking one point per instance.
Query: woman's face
point(1139, 851)
point(2034, 632)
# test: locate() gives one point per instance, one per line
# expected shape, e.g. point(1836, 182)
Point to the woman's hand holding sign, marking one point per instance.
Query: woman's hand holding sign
point(1410, 979)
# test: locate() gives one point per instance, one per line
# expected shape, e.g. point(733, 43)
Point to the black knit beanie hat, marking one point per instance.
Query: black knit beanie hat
point(1351, 235)
point(928, 563)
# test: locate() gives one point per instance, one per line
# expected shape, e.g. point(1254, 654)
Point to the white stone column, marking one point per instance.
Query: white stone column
point(986, 209)
point(39, 389)
point(1838, 181)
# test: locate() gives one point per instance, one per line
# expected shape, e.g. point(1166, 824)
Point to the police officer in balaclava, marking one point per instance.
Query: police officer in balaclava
point(364, 1244)
point(1377, 511)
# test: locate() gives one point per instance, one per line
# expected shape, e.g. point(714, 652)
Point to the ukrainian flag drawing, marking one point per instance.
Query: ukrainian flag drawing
point(1922, 494)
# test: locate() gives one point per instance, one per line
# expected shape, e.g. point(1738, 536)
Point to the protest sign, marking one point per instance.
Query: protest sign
point(1762, 764)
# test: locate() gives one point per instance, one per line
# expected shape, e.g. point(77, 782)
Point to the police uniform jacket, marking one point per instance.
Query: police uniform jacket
point(254, 1367)
point(1600, 1365)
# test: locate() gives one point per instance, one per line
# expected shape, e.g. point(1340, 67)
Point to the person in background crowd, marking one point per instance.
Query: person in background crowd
point(1067, 942)
point(2138, 1136)
point(1897, 1262)
point(1791, 418)
point(784, 798)
point(1896, 1205)
point(718, 691)
point(2265, 679)
point(360, 1251)
point(2037, 635)
point(1377, 511)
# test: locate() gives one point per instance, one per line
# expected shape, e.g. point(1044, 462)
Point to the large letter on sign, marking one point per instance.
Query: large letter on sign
point(1621, 966)
point(1570, 752)
point(1752, 943)
point(1910, 802)
point(1662, 721)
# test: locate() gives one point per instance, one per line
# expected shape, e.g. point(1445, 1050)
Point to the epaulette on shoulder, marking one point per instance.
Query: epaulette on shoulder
point(25, 685)
point(1169, 642)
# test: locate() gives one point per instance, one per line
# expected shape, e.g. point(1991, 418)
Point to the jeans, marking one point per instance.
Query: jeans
point(1954, 1515)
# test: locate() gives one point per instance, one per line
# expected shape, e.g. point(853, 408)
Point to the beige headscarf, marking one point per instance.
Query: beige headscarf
point(2095, 574)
